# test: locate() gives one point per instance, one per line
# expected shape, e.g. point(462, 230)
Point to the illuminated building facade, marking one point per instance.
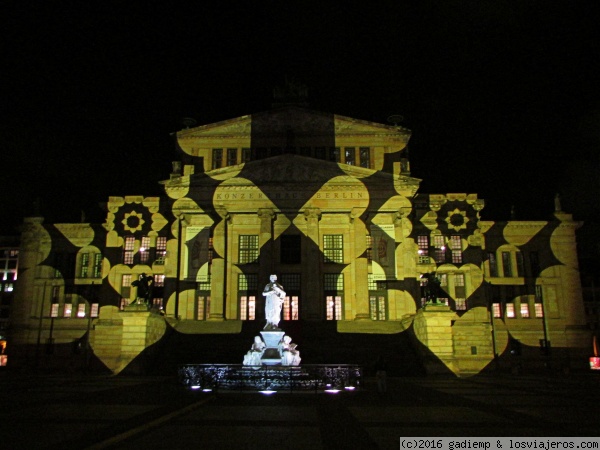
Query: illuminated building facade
point(328, 203)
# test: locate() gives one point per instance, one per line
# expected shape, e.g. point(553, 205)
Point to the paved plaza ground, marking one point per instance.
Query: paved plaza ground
point(77, 412)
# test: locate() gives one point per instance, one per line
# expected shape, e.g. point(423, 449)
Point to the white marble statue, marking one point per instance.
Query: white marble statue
point(275, 295)
point(289, 355)
point(254, 355)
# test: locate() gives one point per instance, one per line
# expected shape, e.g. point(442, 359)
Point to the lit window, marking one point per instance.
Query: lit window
point(440, 248)
point(84, 265)
point(94, 310)
point(54, 310)
point(539, 310)
point(510, 310)
point(144, 250)
point(157, 303)
point(496, 310)
point(333, 248)
point(128, 250)
point(68, 310)
point(126, 286)
point(248, 248)
point(349, 156)
point(456, 248)
point(290, 307)
point(334, 307)
point(97, 270)
point(461, 304)
point(423, 252)
point(81, 310)
point(524, 309)
point(159, 280)
point(161, 250)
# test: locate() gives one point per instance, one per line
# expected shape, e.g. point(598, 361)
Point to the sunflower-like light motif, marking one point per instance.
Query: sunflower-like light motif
point(457, 219)
point(133, 221)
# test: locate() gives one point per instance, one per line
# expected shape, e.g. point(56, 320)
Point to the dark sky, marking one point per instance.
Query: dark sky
point(500, 95)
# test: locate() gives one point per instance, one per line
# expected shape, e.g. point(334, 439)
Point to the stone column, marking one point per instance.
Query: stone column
point(266, 261)
point(360, 269)
point(313, 302)
point(219, 275)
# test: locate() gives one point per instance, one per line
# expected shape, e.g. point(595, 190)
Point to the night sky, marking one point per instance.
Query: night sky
point(501, 96)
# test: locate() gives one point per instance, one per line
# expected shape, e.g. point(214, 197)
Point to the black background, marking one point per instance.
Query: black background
point(501, 96)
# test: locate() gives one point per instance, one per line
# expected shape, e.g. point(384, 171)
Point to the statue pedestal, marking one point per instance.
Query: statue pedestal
point(271, 355)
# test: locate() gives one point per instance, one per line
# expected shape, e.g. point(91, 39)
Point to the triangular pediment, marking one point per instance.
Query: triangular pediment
point(287, 121)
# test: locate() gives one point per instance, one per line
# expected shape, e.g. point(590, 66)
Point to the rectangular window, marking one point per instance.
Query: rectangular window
point(246, 155)
point(369, 251)
point(217, 158)
point(161, 250)
point(202, 307)
point(510, 310)
point(97, 270)
point(126, 286)
point(461, 304)
point(493, 264)
point(248, 248)
point(290, 308)
point(423, 244)
point(333, 248)
point(144, 251)
point(81, 310)
point(507, 264)
point(459, 285)
point(94, 310)
point(128, 250)
point(539, 310)
point(456, 248)
point(231, 156)
point(334, 307)
point(68, 310)
point(349, 156)
point(377, 307)
point(520, 264)
point(159, 280)
point(247, 307)
point(524, 309)
point(365, 157)
point(54, 310)
point(440, 248)
point(84, 265)
point(157, 303)
point(334, 154)
point(496, 310)
point(290, 249)
point(334, 282)
point(247, 285)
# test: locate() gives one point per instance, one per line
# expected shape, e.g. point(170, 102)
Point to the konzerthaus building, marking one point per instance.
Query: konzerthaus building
point(329, 205)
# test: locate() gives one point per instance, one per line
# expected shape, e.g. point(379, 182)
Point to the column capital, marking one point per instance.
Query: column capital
point(265, 213)
point(312, 214)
